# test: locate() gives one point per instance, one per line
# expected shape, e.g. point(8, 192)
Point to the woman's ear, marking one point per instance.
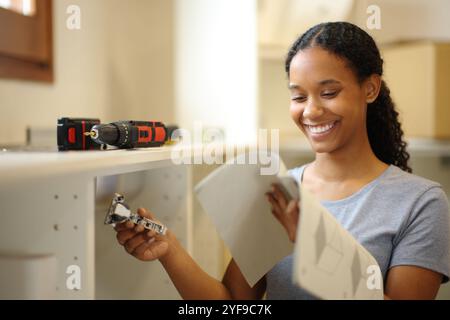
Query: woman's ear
point(372, 87)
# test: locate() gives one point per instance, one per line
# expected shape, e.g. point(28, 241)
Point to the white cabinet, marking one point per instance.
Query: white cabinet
point(49, 209)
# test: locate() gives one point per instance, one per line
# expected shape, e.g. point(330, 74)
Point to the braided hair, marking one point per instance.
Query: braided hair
point(360, 51)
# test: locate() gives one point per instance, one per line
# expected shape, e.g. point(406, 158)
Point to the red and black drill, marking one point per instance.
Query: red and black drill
point(131, 134)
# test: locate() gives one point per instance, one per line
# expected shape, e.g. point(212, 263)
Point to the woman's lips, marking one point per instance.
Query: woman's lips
point(320, 132)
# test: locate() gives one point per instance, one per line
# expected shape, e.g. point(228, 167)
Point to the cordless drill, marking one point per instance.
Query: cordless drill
point(71, 134)
point(131, 134)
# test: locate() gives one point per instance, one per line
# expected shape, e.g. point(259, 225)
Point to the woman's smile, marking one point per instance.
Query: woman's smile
point(322, 131)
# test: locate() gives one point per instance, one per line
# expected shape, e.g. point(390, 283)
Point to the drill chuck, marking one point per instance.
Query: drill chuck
point(105, 134)
point(130, 134)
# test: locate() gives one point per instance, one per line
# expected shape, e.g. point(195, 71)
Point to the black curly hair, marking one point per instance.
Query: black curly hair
point(357, 47)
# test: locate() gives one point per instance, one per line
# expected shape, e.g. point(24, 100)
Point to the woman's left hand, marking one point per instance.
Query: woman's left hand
point(287, 213)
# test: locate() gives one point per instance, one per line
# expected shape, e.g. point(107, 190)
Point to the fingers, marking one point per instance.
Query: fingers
point(287, 213)
point(139, 228)
point(293, 211)
point(291, 207)
point(125, 235)
point(124, 226)
point(151, 233)
point(129, 229)
point(135, 242)
point(276, 209)
point(146, 213)
point(279, 196)
point(130, 225)
point(143, 250)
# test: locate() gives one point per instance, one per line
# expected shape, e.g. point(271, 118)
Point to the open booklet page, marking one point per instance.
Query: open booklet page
point(234, 198)
point(328, 261)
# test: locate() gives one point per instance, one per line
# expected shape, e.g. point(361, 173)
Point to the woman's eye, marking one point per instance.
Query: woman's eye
point(299, 98)
point(329, 94)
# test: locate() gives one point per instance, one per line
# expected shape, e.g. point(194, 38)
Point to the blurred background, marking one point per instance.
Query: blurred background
point(219, 62)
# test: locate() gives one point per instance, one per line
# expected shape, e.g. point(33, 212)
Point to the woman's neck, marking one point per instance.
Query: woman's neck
point(354, 161)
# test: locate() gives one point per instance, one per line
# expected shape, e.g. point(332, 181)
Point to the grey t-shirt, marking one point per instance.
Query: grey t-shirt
point(400, 218)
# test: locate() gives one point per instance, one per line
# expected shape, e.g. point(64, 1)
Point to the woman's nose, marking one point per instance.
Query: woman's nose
point(313, 110)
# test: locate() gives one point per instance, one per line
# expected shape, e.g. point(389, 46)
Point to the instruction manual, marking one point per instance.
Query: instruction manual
point(328, 261)
point(234, 198)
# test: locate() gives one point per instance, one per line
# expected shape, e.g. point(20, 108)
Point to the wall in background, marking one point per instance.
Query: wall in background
point(79, 87)
point(119, 65)
point(216, 66)
point(140, 60)
point(274, 97)
point(406, 19)
point(280, 22)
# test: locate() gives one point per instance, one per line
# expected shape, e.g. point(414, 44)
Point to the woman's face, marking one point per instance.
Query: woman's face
point(327, 102)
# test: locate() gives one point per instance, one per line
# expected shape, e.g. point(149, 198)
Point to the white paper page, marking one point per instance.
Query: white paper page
point(328, 261)
point(234, 197)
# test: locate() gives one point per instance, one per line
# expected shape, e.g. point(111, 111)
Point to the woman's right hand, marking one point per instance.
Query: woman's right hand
point(287, 213)
point(143, 244)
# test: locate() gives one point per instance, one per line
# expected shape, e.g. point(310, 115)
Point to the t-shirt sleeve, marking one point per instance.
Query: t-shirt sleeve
point(424, 240)
point(295, 173)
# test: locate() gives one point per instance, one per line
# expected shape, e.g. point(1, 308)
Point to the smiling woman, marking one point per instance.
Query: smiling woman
point(358, 82)
point(360, 172)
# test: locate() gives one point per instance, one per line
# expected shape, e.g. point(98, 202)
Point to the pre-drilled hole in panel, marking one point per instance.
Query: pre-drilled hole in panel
point(75, 196)
point(75, 227)
point(55, 227)
point(56, 197)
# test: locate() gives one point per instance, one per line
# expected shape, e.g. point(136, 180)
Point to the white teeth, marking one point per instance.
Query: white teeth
point(321, 129)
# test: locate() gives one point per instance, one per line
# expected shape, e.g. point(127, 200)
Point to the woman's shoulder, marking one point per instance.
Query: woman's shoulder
point(408, 190)
point(395, 180)
point(403, 180)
